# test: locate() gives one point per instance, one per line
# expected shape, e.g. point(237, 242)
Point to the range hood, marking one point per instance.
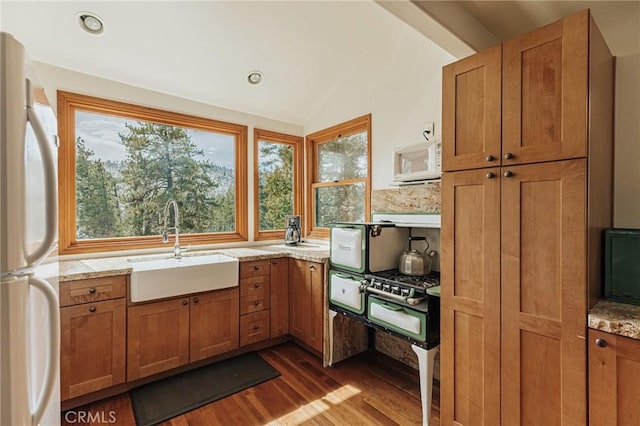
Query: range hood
point(412, 220)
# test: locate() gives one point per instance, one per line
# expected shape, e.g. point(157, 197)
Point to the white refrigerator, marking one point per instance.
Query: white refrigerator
point(29, 316)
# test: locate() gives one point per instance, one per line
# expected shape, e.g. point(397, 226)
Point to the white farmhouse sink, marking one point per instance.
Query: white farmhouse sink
point(159, 278)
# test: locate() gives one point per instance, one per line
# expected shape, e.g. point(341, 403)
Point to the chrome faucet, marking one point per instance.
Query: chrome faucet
point(177, 249)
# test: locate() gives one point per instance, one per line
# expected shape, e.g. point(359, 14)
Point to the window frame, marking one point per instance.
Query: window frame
point(313, 141)
point(68, 103)
point(297, 142)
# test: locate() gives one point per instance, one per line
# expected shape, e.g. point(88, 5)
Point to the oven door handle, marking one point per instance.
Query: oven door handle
point(391, 307)
point(345, 276)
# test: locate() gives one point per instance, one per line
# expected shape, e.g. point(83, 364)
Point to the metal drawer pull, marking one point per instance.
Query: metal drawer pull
point(312, 267)
point(196, 300)
point(490, 158)
point(257, 267)
point(508, 156)
point(92, 309)
point(92, 290)
point(256, 327)
point(491, 175)
point(274, 262)
point(185, 302)
point(257, 302)
point(601, 342)
point(256, 285)
point(508, 174)
point(391, 307)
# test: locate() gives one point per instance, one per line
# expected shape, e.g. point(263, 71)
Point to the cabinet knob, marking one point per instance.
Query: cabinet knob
point(92, 309)
point(255, 268)
point(185, 302)
point(601, 342)
point(92, 290)
point(257, 303)
point(256, 327)
point(491, 175)
point(256, 285)
point(508, 156)
point(312, 267)
point(196, 300)
point(274, 262)
point(508, 174)
point(490, 158)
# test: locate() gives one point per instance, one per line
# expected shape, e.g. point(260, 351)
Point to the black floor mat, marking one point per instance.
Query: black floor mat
point(170, 397)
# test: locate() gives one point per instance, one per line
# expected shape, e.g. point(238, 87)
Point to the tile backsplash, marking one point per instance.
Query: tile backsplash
point(423, 198)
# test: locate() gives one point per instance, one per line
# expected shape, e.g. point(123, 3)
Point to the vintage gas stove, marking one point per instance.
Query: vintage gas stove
point(393, 303)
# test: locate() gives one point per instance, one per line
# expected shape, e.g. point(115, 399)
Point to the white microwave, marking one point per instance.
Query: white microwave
point(417, 162)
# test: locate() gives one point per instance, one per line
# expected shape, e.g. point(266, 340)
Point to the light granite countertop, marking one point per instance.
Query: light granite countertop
point(616, 318)
point(72, 270)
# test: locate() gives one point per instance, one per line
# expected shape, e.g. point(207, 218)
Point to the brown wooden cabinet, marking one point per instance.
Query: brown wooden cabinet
point(93, 345)
point(158, 337)
point(255, 301)
point(306, 302)
point(521, 242)
point(614, 374)
point(279, 297)
point(213, 324)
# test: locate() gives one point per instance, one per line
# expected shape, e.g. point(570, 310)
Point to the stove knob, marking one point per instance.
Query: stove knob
point(406, 292)
point(386, 287)
point(377, 285)
point(395, 289)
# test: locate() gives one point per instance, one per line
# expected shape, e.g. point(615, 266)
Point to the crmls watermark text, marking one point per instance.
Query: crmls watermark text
point(80, 416)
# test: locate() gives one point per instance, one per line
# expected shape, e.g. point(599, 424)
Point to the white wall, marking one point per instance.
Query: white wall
point(626, 209)
point(54, 78)
point(402, 90)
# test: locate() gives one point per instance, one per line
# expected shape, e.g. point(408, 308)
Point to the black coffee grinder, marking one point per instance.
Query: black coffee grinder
point(292, 233)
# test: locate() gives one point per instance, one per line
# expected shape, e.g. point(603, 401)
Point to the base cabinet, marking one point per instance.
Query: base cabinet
point(171, 333)
point(279, 297)
point(306, 302)
point(614, 374)
point(158, 337)
point(213, 324)
point(92, 347)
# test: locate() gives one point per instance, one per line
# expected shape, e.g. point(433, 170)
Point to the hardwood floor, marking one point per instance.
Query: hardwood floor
point(368, 389)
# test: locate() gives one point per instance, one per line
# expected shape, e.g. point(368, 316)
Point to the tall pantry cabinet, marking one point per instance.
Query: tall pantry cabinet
point(526, 192)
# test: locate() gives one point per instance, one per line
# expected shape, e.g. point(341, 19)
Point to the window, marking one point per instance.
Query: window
point(120, 163)
point(277, 181)
point(339, 164)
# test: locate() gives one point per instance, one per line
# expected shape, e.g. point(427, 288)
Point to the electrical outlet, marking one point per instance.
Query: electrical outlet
point(429, 131)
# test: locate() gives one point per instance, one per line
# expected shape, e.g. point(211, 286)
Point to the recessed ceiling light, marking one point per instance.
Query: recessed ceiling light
point(90, 22)
point(254, 77)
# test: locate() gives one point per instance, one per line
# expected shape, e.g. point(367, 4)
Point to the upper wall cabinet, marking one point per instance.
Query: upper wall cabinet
point(471, 111)
point(533, 88)
point(544, 93)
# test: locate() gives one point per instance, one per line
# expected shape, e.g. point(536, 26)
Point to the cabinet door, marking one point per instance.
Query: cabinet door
point(470, 304)
point(544, 89)
point(614, 374)
point(279, 297)
point(316, 305)
point(300, 291)
point(471, 99)
point(92, 340)
point(544, 294)
point(158, 337)
point(213, 324)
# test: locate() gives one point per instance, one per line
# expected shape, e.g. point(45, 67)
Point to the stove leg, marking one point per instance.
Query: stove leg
point(426, 360)
point(332, 316)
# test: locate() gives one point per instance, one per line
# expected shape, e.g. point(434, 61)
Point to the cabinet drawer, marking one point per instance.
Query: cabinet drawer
point(250, 304)
point(254, 327)
point(92, 290)
point(254, 269)
point(258, 287)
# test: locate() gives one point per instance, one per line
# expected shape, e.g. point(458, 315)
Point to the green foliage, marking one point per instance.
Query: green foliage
point(275, 184)
point(96, 197)
point(161, 163)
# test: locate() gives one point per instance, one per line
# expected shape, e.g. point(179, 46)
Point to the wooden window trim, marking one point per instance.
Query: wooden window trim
point(68, 103)
point(297, 143)
point(313, 140)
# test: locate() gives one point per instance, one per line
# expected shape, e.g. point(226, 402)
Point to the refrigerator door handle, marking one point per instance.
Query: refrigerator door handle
point(51, 370)
point(51, 200)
